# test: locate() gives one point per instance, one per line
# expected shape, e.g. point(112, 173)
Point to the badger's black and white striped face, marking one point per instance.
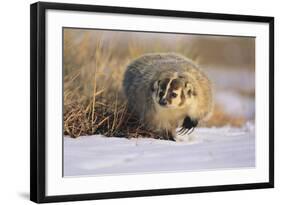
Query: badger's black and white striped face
point(172, 92)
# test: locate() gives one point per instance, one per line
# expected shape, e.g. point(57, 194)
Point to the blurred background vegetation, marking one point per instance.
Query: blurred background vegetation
point(95, 61)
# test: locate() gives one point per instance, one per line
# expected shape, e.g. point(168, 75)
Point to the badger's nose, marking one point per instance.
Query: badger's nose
point(163, 102)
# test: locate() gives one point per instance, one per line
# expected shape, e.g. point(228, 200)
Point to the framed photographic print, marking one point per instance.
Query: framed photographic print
point(129, 102)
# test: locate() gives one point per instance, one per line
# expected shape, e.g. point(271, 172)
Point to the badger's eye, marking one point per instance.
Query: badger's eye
point(174, 95)
point(161, 93)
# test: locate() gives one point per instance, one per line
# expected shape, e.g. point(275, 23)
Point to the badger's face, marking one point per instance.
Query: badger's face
point(172, 92)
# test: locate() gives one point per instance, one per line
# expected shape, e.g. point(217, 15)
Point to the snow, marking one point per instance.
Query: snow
point(204, 149)
point(235, 104)
point(232, 78)
point(228, 85)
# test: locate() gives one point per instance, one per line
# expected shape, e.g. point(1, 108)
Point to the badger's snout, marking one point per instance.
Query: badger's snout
point(163, 102)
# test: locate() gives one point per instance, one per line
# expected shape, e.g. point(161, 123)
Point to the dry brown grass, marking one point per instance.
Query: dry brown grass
point(93, 71)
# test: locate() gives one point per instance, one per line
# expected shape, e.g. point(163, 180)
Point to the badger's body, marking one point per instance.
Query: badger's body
point(166, 91)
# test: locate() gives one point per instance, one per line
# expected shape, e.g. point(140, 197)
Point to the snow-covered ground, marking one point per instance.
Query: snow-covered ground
point(229, 85)
point(205, 148)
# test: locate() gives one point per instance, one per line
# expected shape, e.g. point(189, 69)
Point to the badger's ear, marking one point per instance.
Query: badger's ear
point(189, 89)
point(154, 85)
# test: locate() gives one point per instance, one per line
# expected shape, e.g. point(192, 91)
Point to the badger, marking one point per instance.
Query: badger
point(166, 91)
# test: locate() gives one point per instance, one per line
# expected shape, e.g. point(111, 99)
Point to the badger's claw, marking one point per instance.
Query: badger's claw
point(190, 131)
point(188, 126)
point(181, 130)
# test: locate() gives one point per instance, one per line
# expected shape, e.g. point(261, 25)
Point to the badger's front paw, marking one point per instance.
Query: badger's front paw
point(170, 136)
point(188, 126)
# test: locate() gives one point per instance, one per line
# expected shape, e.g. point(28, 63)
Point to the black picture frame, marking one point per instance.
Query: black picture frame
point(38, 101)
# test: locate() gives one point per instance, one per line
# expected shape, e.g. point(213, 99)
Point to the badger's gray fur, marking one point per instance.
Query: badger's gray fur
point(166, 91)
